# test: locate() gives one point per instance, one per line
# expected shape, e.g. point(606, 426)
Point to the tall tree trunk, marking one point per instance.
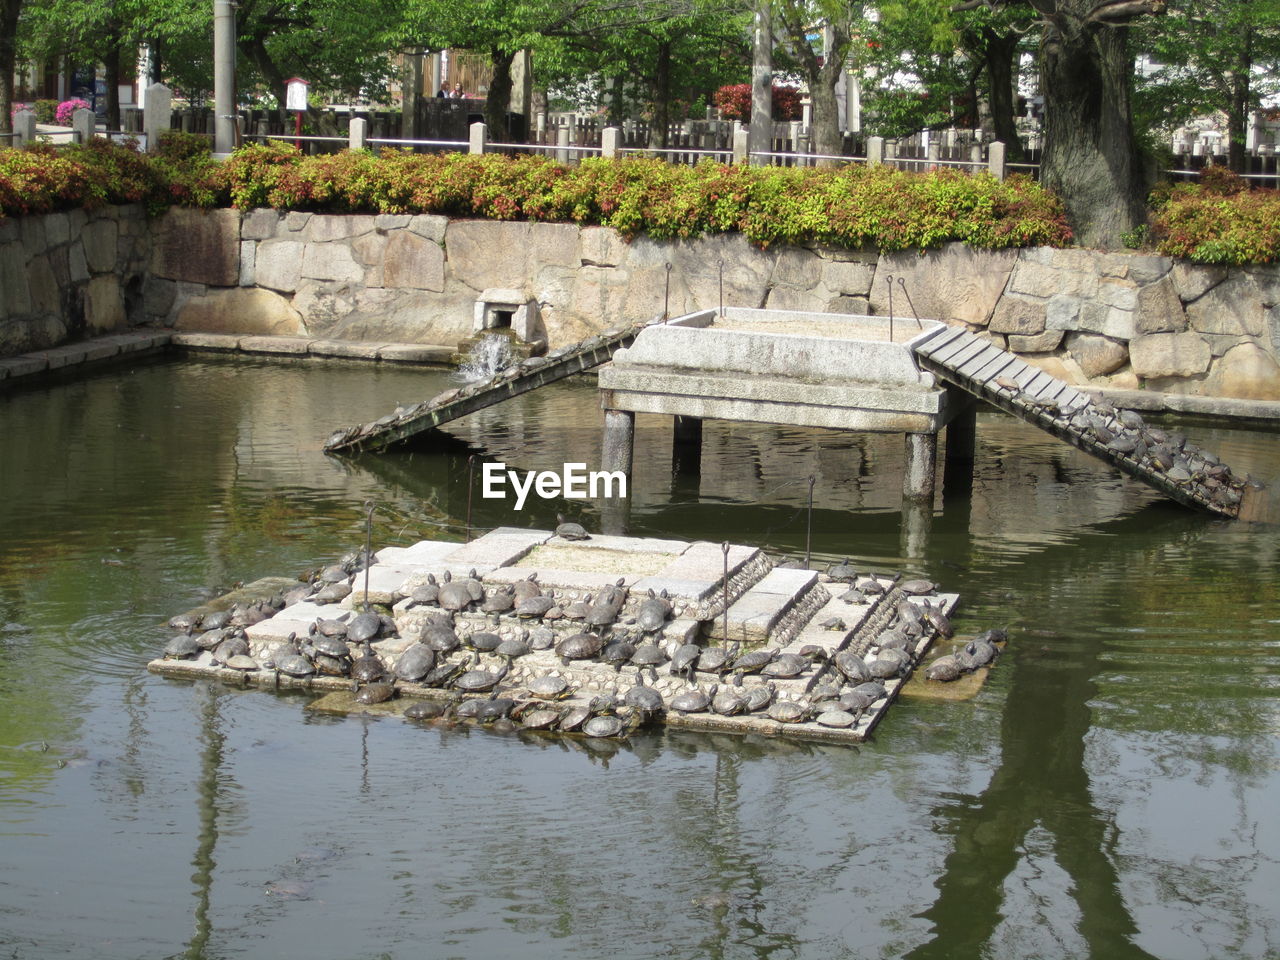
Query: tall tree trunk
point(254, 48)
point(1238, 114)
point(497, 103)
point(659, 127)
point(760, 132)
point(999, 55)
point(824, 108)
point(8, 59)
point(1090, 158)
point(111, 63)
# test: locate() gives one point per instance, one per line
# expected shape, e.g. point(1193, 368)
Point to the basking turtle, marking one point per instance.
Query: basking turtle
point(182, 647)
point(549, 687)
point(607, 606)
point(186, 622)
point(574, 718)
point(534, 607)
point(426, 594)
point(996, 635)
point(478, 680)
point(331, 666)
point(242, 662)
point(785, 666)
point(873, 689)
point(788, 711)
point(579, 609)
point(440, 638)
point(753, 661)
point(939, 620)
point(524, 589)
point(692, 701)
point(836, 718)
point(483, 642)
point(610, 725)
point(209, 639)
point(581, 646)
point(853, 595)
point(367, 668)
point(981, 651)
point(377, 692)
point(842, 571)
point(646, 699)
point(917, 588)
point(542, 638)
point(944, 669)
point(759, 697)
point(294, 665)
point(854, 701)
point(512, 649)
point(832, 623)
point(871, 587)
point(815, 653)
point(444, 673)
point(685, 659)
point(648, 655)
point(425, 710)
point(326, 646)
point(460, 594)
point(852, 666)
point(364, 627)
point(728, 702)
point(617, 653)
point(333, 593)
point(215, 620)
point(714, 660)
point(653, 612)
point(570, 531)
point(230, 647)
point(543, 718)
point(494, 708)
point(499, 600)
point(415, 663)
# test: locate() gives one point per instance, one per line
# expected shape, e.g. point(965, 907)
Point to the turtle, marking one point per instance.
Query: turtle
point(478, 680)
point(460, 594)
point(944, 669)
point(908, 611)
point(215, 620)
point(692, 701)
point(895, 639)
point(852, 666)
point(832, 623)
point(759, 696)
point(753, 661)
point(685, 659)
point(440, 638)
point(444, 673)
point(870, 587)
point(714, 660)
point(570, 531)
point(884, 669)
point(648, 655)
point(331, 666)
point(364, 627)
point(579, 609)
point(242, 662)
point(182, 647)
point(483, 642)
point(993, 636)
point(608, 605)
point(469, 709)
point(617, 653)
point(427, 593)
point(542, 638)
point(550, 687)
point(494, 708)
point(646, 699)
point(334, 573)
point(788, 711)
point(367, 667)
point(499, 600)
point(873, 689)
point(377, 692)
point(209, 639)
point(854, 701)
point(534, 607)
point(294, 665)
point(653, 612)
point(939, 620)
point(415, 663)
point(333, 593)
point(328, 628)
point(853, 595)
point(230, 647)
point(580, 646)
point(335, 647)
point(842, 571)
point(542, 718)
point(785, 666)
point(425, 710)
point(526, 588)
point(610, 725)
point(728, 702)
point(574, 718)
point(836, 718)
point(603, 703)
point(981, 651)
point(512, 649)
point(917, 588)
point(186, 622)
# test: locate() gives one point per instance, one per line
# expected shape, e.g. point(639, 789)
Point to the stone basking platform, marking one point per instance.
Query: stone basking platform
point(772, 612)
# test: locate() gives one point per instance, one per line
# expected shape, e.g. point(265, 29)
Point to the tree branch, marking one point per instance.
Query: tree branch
point(1121, 11)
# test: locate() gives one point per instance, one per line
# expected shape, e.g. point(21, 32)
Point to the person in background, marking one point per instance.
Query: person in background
point(457, 93)
point(443, 91)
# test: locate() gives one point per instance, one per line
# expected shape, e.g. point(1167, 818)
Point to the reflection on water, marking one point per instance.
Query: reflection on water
point(1110, 793)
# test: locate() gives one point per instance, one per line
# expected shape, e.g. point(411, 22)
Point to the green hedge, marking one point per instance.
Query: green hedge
point(852, 206)
point(1217, 220)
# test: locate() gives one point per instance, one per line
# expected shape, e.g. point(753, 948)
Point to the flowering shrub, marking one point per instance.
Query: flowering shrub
point(1217, 220)
point(45, 110)
point(67, 107)
point(42, 178)
point(734, 102)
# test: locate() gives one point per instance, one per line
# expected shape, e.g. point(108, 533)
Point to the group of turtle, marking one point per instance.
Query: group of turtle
point(978, 652)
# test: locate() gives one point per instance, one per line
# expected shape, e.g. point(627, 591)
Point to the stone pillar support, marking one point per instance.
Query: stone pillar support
point(83, 125)
point(610, 139)
point(24, 125)
point(479, 137)
point(157, 114)
point(619, 437)
point(875, 151)
point(358, 133)
point(741, 143)
point(962, 439)
point(921, 462)
point(995, 160)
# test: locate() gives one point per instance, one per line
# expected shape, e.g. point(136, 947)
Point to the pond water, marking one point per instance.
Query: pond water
point(1111, 792)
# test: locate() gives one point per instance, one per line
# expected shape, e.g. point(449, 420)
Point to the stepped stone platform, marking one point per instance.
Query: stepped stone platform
point(769, 608)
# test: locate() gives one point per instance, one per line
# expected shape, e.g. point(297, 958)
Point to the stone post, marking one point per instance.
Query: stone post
point(357, 133)
point(479, 137)
point(875, 151)
point(619, 436)
point(921, 462)
point(562, 140)
point(24, 125)
point(83, 125)
point(156, 115)
point(917, 522)
point(741, 142)
point(224, 77)
point(975, 155)
point(935, 151)
point(610, 139)
point(995, 160)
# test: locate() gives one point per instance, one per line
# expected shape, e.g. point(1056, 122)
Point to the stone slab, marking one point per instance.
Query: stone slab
point(295, 346)
point(207, 341)
point(23, 366)
point(501, 547)
point(601, 541)
point(704, 561)
point(295, 618)
point(785, 581)
point(385, 580)
point(577, 581)
point(422, 552)
point(345, 348)
point(416, 353)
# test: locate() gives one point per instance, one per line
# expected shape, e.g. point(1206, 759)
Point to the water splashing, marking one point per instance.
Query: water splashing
point(489, 356)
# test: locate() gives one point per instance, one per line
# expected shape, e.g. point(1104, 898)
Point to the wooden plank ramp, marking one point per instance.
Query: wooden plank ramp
point(975, 365)
point(404, 423)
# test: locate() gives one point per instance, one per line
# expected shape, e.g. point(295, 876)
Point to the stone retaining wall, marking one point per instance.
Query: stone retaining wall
point(1119, 320)
point(68, 276)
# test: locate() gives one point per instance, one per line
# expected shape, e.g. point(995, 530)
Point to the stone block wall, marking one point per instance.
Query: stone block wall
point(67, 276)
point(1110, 319)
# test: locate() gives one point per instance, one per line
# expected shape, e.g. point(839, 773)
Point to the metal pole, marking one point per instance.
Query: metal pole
point(368, 548)
point(721, 289)
point(471, 471)
point(224, 76)
point(903, 285)
point(724, 548)
point(666, 296)
point(808, 534)
point(889, 283)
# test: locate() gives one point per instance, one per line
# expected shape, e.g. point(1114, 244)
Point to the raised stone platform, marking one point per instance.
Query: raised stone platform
point(783, 611)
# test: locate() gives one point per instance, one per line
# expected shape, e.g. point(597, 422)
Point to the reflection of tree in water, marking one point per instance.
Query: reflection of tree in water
point(1046, 794)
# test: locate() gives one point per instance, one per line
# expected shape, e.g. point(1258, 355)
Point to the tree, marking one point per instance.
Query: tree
point(1213, 55)
point(9, 13)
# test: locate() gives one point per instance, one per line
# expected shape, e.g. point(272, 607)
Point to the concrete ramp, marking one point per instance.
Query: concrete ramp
point(404, 423)
point(1159, 458)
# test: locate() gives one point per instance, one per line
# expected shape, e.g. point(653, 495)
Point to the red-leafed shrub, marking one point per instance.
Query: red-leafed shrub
point(734, 102)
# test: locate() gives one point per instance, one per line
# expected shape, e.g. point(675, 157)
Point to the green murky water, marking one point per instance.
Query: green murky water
point(1110, 793)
